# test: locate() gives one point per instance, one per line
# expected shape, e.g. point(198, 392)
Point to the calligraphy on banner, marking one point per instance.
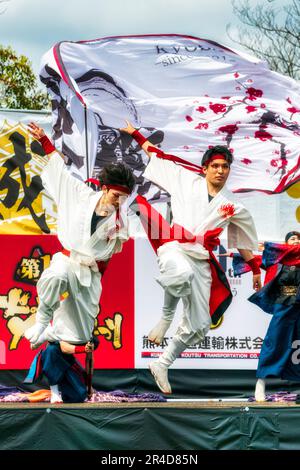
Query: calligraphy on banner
point(24, 207)
point(25, 258)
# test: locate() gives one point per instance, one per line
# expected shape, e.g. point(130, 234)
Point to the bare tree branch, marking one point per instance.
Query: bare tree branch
point(270, 33)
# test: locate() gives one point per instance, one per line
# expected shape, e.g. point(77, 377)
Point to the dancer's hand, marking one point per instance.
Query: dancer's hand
point(261, 246)
point(129, 129)
point(67, 348)
point(89, 347)
point(257, 282)
point(36, 131)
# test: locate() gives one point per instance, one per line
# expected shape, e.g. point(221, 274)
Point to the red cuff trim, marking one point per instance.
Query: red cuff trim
point(47, 145)
point(139, 138)
point(79, 349)
point(254, 265)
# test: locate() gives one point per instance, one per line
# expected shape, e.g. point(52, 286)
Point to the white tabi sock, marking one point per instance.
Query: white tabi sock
point(172, 351)
point(159, 368)
point(55, 394)
point(33, 333)
point(41, 339)
point(260, 390)
point(157, 333)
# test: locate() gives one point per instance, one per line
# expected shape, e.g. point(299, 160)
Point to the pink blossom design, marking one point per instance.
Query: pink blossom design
point(217, 108)
point(201, 109)
point(254, 93)
point(278, 162)
point(189, 118)
point(229, 129)
point(262, 135)
point(251, 109)
point(226, 210)
point(203, 125)
point(246, 161)
point(293, 110)
point(289, 100)
point(236, 75)
point(262, 105)
point(225, 97)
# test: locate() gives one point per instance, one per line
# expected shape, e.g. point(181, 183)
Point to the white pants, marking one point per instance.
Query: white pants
point(187, 277)
point(73, 317)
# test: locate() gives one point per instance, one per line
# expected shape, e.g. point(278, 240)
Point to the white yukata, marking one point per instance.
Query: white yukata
point(78, 275)
point(184, 268)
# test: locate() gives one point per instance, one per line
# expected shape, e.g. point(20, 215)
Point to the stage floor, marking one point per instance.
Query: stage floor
point(176, 403)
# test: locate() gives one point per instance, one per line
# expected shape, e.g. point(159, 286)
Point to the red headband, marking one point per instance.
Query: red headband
point(217, 156)
point(118, 187)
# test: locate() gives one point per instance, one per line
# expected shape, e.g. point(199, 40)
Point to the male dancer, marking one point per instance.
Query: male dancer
point(199, 205)
point(91, 229)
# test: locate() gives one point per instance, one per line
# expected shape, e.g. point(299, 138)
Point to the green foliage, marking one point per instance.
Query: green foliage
point(18, 84)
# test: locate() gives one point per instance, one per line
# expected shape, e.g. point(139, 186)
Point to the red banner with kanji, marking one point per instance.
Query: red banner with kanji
point(22, 261)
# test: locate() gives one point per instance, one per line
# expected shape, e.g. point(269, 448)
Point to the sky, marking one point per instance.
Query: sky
point(32, 27)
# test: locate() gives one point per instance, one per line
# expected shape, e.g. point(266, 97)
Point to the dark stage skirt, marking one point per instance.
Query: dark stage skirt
point(280, 353)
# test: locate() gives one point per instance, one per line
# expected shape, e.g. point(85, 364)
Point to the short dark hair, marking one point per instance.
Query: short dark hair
point(214, 151)
point(291, 234)
point(117, 173)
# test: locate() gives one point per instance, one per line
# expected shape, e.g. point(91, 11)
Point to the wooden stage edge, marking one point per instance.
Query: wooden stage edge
point(194, 404)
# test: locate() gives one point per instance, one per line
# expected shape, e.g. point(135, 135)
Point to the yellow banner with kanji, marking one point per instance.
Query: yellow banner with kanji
point(24, 207)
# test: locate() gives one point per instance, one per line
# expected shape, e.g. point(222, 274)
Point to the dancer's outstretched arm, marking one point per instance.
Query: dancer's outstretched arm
point(38, 133)
point(250, 259)
point(141, 140)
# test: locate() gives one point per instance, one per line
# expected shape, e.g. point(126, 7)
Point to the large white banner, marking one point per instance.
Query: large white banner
point(186, 93)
